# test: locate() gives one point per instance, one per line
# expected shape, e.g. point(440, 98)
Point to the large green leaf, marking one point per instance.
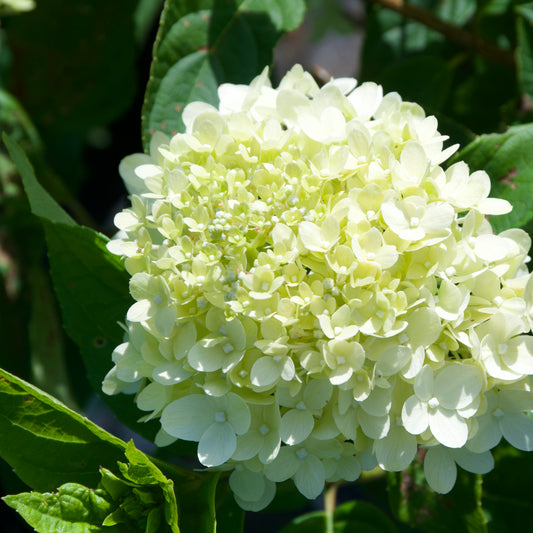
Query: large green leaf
point(508, 159)
point(415, 504)
point(48, 444)
point(91, 285)
point(42, 204)
point(202, 43)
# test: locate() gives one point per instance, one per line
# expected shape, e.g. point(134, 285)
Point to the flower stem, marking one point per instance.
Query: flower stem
point(458, 35)
point(330, 501)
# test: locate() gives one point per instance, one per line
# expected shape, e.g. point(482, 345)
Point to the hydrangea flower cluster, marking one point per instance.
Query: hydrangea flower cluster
point(315, 295)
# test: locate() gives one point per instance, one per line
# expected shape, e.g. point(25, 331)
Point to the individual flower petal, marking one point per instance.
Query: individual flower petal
point(518, 355)
point(440, 469)
point(296, 426)
point(457, 386)
point(448, 427)
point(217, 444)
point(189, 417)
point(415, 415)
point(310, 477)
point(284, 465)
point(396, 451)
point(246, 503)
point(517, 428)
point(477, 463)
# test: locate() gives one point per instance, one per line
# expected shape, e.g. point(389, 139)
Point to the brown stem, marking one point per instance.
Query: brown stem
point(453, 33)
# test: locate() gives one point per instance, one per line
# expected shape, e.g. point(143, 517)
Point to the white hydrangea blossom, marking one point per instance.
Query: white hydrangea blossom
point(315, 295)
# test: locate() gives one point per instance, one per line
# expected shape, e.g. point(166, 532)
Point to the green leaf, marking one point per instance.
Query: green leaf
point(415, 504)
point(42, 204)
point(197, 47)
point(92, 288)
point(524, 50)
point(73, 508)
point(48, 361)
point(142, 502)
point(142, 471)
point(48, 444)
point(508, 160)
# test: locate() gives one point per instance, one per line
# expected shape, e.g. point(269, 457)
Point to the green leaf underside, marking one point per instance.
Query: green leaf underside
point(201, 44)
point(356, 516)
point(415, 504)
point(508, 160)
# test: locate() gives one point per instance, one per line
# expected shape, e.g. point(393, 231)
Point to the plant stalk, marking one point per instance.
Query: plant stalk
point(330, 502)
